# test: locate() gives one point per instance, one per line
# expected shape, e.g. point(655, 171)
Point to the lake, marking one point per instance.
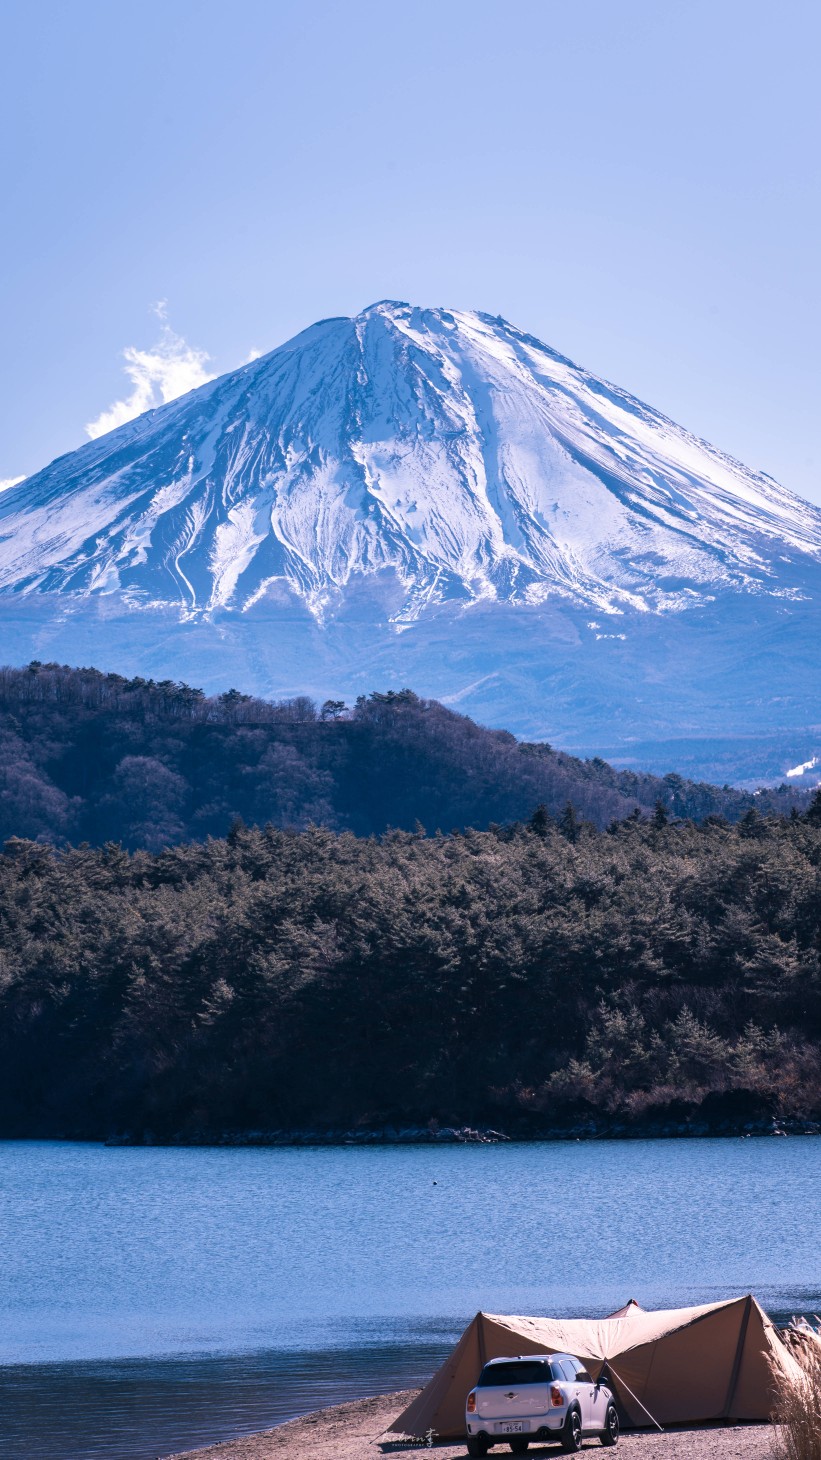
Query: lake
point(153, 1299)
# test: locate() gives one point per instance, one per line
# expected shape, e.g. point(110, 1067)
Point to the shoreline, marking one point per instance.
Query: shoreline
point(418, 1135)
point(426, 1135)
point(358, 1431)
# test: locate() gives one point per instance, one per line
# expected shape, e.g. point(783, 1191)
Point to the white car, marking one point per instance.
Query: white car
point(538, 1399)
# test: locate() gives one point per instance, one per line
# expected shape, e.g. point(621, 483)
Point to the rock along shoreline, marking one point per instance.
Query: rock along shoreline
point(435, 1135)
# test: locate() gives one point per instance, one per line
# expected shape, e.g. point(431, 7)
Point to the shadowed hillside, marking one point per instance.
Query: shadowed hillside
point(94, 757)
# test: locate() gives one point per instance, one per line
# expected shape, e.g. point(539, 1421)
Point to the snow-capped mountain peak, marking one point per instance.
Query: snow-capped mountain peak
point(430, 497)
point(445, 447)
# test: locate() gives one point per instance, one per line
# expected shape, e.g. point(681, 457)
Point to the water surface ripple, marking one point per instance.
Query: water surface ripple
point(153, 1299)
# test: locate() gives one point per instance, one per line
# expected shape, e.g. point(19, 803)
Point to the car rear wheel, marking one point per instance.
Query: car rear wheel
point(519, 1447)
point(572, 1432)
point(477, 1445)
point(610, 1433)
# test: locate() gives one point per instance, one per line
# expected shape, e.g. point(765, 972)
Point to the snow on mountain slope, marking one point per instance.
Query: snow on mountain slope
point(451, 448)
point(550, 553)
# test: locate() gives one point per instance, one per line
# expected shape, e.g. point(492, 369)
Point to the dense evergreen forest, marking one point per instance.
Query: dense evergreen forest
point(521, 977)
point(94, 757)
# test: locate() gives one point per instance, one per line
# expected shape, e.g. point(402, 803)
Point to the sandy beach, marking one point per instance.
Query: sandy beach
point(357, 1431)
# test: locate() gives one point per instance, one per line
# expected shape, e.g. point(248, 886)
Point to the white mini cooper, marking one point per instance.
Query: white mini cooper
point(536, 1399)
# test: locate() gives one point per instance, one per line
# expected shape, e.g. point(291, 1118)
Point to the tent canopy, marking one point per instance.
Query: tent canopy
point(678, 1365)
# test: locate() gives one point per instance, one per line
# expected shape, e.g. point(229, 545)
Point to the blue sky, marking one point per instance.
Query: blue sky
point(637, 183)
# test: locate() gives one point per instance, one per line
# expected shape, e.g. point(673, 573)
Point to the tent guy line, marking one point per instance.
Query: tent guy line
point(610, 1372)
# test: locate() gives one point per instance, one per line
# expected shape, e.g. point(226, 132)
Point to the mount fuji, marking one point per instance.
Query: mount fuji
point(434, 498)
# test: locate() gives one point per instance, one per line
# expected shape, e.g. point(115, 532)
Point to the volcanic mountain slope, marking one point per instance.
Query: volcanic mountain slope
point(439, 498)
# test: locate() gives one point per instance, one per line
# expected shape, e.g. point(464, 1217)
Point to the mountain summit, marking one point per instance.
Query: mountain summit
point(436, 496)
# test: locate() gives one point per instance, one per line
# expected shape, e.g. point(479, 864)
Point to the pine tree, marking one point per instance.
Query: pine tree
point(751, 823)
point(813, 816)
point(569, 823)
point(540, 822)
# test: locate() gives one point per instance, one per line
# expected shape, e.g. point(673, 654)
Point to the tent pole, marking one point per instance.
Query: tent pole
point(739, 1354)
point(480, 1325)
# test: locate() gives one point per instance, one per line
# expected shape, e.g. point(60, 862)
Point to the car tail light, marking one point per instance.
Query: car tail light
point(471, 1404)
point(556, 1396)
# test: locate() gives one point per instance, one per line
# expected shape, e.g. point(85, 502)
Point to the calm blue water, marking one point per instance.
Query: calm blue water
point(152, 1299)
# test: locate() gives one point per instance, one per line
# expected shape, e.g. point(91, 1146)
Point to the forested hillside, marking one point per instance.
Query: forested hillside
point(91, 757)
point(521, 976)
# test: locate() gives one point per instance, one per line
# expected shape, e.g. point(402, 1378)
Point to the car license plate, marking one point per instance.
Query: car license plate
point(514, 1427)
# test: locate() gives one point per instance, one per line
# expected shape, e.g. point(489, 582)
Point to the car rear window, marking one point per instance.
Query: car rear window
point(533, 1371)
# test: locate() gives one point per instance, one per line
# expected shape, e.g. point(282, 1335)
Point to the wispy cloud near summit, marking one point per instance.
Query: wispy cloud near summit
point(171, 368)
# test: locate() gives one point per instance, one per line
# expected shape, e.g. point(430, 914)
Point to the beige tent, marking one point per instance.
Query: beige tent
point(679, 1365)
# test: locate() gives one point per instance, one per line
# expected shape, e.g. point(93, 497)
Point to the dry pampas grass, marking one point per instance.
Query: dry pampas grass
point(797, 1413)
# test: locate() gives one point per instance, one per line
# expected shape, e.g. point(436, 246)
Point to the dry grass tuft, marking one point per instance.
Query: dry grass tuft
point(797, 1415)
